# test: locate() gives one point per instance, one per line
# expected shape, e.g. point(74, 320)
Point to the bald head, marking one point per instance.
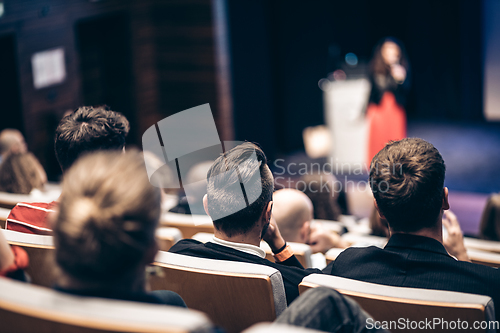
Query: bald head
point(293, 212)
point(11, 140)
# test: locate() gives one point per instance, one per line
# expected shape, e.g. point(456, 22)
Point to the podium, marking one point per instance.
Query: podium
point(345, 104)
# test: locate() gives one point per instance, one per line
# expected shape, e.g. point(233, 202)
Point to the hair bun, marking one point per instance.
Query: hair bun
point(83, 210)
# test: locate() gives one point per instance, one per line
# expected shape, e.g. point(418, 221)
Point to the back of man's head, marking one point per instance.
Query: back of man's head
point(407, 180)
point(89, 129)
point(239, 176)
point(293, 212)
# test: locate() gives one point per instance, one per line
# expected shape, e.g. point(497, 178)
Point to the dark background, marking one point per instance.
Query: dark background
point(280, 50)
point(152, 58)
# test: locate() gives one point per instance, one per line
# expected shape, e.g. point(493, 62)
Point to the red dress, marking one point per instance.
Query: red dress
point(386, 122)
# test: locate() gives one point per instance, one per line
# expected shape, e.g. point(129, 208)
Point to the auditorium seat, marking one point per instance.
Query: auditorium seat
point(25, 308)
point(332, 254)
point(302, 251)
point(277, 328)
point(387, 303)
point(484, 258)
point(51, 193)
point(9, 200)
point(358, 240)
point(166, 237)
point(336, 226)
point(189, 225)
point(235, 295)
point(40, 250)
point(482, 245)
point(4, 213)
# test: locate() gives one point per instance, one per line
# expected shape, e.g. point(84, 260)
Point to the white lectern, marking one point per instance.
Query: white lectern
point(345, 104)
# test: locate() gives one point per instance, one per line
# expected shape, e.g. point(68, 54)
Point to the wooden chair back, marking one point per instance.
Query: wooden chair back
point(189, 225)
point(278, 328)
point(40, 251)
point(166, 237)
point(482, 245)
point(51, 193)
point(389, 304)
point(9, 200)
point(235, 295)
point(25, 308)
point(332, 254)
point(358, 240)
point(4, 213)
point(484, 258)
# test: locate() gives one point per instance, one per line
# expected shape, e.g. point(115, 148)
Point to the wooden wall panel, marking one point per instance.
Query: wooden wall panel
point(172, 51)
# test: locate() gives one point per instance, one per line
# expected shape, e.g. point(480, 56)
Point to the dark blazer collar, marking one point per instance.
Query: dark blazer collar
point(422, 243)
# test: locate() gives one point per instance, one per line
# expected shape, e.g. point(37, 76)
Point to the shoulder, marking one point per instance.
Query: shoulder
point(353, 256)
point(186, 244)
point(359, 252)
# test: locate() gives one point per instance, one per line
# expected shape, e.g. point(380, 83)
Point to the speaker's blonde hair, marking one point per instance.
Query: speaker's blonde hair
point(108, 214)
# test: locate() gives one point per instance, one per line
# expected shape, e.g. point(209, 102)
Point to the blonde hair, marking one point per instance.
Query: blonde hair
point(21, 173)
point(108, 214)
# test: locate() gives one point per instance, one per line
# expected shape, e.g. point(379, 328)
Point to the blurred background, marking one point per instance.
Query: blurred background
point(265, 67)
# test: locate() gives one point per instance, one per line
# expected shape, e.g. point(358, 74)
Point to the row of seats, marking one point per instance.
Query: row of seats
point(200, 228)
point(233, 295)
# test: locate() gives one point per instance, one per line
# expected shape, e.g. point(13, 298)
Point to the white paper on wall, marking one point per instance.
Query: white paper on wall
point(49, 68)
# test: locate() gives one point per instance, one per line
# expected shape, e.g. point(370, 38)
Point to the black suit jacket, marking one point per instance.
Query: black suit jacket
point(417, 262)
point(291, 270)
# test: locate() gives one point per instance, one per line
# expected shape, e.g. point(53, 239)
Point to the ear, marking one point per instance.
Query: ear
point(268, 211)
point(205, 204)
point(446, 204)
point(378, 210)
point(305, 232)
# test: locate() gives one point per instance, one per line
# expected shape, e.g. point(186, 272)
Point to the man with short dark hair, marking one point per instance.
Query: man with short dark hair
point(239, 201)
point(407, 181)
point(86, 130)
point(89, 129)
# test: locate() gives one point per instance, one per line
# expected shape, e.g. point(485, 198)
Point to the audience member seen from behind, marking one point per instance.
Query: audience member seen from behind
point(293, 212)
point(490, 220)
point(104, 229)
point(86, 130)
point(21, 173)
point(11, 141)
point(407, 181)
point(237, 235)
